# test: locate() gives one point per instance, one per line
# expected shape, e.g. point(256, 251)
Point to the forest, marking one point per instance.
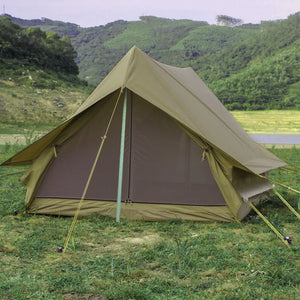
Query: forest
point(37, 47)
point(248, 66)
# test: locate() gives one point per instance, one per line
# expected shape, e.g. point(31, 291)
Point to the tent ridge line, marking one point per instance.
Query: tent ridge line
point(128, 69)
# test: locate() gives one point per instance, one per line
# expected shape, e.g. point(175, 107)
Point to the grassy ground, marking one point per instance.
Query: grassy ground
point(33, 99)
point(269, 121)
point(147, 260)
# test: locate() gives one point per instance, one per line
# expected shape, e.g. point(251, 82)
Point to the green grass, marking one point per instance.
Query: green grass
point(33, 98)
point(152, 33)
point(147, 260)
point(213, 38)
point(269, 121)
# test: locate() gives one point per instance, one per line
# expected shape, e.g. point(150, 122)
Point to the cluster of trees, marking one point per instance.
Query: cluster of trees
point(263, 86)
point(35, 46)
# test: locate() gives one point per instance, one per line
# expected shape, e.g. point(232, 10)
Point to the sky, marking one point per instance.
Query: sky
point(87, 13)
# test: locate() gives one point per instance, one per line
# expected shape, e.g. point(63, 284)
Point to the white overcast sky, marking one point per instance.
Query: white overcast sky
point(88, 13)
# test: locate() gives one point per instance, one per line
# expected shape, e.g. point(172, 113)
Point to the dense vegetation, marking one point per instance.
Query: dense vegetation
point(249, 67)
point(273, 83)
point(39, 81)
point(34, 46)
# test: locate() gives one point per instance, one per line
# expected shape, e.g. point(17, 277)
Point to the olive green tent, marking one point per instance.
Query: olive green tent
point(184, 155)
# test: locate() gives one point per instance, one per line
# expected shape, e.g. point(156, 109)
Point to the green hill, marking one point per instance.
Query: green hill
point(34, 98)
point(39, 85)
point(270, 83)
point(252, 66)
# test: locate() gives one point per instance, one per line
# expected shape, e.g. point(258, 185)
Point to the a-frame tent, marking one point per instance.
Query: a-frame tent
point(185, 155)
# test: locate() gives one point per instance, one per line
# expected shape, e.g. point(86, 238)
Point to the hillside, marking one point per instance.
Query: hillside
point(38, 77)
point(34, 99)
point(252, 66)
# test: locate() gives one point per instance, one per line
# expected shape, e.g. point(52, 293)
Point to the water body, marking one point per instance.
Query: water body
point(283, 139)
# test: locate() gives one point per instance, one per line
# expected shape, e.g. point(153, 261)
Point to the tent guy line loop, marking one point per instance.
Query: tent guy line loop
point(55, 153)
point(64, 248)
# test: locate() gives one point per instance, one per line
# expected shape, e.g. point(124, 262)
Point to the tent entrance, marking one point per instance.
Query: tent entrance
point(162, 165)
point(166, 165)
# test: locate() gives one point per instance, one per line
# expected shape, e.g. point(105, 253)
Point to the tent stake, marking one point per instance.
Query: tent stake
point(121, 162)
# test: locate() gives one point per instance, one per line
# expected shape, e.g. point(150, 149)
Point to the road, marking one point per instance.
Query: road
point(282, 139)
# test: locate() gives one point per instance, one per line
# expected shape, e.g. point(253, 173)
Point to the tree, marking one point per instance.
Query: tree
point(33, 45)
point(223, 20)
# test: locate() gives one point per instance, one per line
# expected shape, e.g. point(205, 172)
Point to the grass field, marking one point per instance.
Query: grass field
point(269, 121)
point(37, 103)
point(148, 260)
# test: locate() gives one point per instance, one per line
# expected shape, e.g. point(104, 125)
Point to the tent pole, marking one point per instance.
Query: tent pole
point(121, 162)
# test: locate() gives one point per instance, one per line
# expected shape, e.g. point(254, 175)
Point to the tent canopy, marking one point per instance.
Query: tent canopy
point(181, 94)
point(185, 155)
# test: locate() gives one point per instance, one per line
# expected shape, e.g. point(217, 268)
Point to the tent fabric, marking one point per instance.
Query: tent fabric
point(164, 168)
point(142, 211)
point(248, 185)
point(167, 167)
point(185, 155)
point(68, 174)
point(34, 175)
point(180, 93)
point(245, 208)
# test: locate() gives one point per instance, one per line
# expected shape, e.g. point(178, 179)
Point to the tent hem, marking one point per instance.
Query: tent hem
point(147, 212)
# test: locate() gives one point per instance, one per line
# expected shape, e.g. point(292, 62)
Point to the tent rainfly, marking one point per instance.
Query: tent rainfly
point(185, 156)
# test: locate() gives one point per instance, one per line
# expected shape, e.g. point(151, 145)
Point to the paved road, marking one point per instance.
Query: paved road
point(282, 139)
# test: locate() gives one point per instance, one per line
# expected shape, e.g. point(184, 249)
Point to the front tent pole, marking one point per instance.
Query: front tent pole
point(121, 162)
